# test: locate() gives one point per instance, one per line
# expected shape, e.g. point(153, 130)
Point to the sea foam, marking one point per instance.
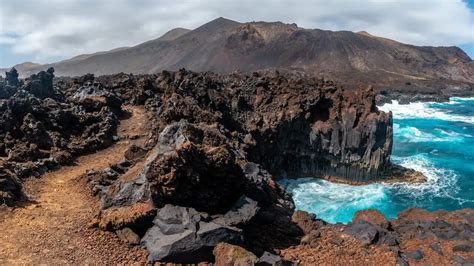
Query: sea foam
point(422, 110)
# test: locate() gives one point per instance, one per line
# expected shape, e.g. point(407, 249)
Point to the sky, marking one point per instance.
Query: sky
point(44, 31)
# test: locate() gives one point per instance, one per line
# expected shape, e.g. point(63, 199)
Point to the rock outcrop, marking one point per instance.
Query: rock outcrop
point(219, 143)
point(415, 236)
point(42, 128)
point(274, 118)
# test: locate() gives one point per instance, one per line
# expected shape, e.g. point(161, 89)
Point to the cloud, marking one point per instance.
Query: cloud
point(65, 28)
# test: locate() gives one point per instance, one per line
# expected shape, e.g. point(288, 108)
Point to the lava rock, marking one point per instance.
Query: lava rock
point(183, 235)
point(10, 188)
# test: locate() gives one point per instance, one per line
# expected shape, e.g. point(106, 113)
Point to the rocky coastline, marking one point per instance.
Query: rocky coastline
point(405, 96)
point(202, 187)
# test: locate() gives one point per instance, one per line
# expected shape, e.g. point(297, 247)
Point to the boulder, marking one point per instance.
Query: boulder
point(183, 235)
point(93, 97)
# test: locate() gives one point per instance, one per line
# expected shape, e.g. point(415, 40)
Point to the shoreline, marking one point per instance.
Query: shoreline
point(407, 98)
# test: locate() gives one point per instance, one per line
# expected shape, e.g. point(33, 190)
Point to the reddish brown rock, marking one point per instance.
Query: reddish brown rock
point(227, 254)
point(306, 221)
point(137, 215)
point(372, 216)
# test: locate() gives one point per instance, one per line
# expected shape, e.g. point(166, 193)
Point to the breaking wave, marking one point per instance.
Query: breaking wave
point(425, 110)
point(436, 139)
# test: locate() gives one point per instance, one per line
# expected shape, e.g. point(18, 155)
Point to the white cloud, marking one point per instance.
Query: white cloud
point(64, 28)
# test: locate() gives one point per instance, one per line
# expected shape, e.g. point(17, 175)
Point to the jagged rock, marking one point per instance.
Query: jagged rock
point(192, 166)
point(93, 97)
point(10, 188)
point(306, 221)
point(11, 83)
point(189, 172)
point(41, 129)
point(226, 254)
point(183, 235)
point(41, 85)
point(11, 78)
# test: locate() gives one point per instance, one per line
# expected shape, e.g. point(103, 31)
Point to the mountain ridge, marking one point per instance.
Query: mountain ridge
point(223, 45)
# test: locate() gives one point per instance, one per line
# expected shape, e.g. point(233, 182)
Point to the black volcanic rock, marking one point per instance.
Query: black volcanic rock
point(41, 128)
point(183, 235)
point(11, 78)
point(41, 85)
point(10, 187)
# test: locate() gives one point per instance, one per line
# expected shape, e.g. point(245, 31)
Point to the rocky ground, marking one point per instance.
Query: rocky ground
point(181, 167)
point(53, 227)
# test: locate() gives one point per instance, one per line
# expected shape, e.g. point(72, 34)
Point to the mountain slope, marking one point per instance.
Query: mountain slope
point(223, 45)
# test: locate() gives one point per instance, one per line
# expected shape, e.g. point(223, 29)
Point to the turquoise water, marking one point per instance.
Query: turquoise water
point(436, 139)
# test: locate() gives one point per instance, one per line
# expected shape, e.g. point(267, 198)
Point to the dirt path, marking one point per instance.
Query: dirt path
point(54, 228)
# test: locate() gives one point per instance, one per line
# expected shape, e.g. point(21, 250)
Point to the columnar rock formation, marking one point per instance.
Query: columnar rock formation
point(293, 125)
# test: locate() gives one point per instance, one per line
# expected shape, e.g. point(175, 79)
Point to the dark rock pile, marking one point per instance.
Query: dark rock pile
point(41, 127)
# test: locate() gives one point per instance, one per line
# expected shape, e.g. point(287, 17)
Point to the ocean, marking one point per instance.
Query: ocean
point(436, 139)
